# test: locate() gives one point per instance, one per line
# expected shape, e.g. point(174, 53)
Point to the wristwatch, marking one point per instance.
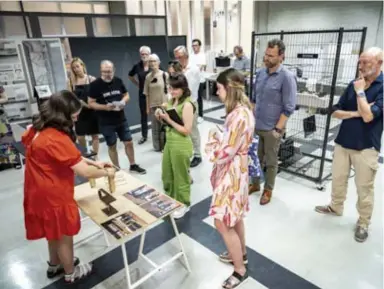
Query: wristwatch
point(280, 131)
point(360, 93)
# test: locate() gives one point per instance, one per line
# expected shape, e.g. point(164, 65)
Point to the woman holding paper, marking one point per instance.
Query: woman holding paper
point(228, 150)
point(178, 148)
point(52, 160)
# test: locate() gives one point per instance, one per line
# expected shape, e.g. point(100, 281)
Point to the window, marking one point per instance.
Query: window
point(74, 26)
point(147, 27)
point(102, 26)
point(102, 8)
point(56, 26)
point(50, 26)
point(160, 7)
point(9, 6)
point(35, 6)
point(149, 7)
point(12, 27)
point(69, 7)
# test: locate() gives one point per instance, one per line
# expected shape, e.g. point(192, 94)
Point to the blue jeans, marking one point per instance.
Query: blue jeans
point(111, 131)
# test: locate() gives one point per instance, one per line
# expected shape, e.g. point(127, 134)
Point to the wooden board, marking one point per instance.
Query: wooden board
point(88, 201)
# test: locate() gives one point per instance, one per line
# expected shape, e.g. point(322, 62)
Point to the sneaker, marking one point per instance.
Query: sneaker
point(56, 270)
point(200, 119)
point(180, 213)
point(142, 140)
point(137, 169)
point(79, 272)
point(361, 234)
point(224, 257)
point(195, 162)
point(327, 210)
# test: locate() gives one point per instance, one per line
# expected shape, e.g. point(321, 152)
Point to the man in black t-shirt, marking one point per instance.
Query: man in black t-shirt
point(140, 70)
point(108, 96)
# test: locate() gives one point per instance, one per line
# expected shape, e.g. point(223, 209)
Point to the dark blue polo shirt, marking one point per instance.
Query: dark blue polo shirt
point(354, 133)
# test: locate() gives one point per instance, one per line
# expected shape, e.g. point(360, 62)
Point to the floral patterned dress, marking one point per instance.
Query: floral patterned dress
point(228, 150)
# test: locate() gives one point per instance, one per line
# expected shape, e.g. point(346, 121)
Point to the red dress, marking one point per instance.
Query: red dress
point(50, 210)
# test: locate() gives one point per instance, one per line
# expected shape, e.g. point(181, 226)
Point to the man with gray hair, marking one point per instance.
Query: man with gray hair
point(137, 75)
point(358, 142)
point(108, 96)
point(192, 73)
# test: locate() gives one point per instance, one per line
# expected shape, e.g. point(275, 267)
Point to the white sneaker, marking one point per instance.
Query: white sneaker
point(200, 119)
point(180, 212)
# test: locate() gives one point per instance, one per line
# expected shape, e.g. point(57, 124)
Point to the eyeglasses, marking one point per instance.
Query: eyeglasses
point(106, 71)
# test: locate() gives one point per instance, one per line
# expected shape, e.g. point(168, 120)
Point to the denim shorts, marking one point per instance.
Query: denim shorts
point(110, 133)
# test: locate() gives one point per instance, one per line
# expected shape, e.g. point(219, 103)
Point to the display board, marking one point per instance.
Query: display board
point(124, 53)
point(13, 79)
point(45, 64)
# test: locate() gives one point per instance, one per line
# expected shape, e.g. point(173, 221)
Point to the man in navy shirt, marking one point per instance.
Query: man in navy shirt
point(359, 140)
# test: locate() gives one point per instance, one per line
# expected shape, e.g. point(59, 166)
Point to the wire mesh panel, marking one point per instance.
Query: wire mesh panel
point(324, 62)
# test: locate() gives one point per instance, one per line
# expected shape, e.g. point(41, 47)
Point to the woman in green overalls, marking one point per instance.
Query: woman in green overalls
point(178, 147)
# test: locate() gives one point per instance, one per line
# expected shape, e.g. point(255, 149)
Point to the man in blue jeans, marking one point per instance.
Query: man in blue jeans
point(108, 96)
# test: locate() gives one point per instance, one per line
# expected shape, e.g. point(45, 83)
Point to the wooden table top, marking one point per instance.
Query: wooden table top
point(89, 202)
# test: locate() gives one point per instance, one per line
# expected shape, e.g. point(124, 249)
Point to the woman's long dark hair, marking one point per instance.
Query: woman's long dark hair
point(56, 112)
point(178, 80)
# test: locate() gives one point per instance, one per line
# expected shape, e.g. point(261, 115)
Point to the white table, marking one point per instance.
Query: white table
point(89, 202)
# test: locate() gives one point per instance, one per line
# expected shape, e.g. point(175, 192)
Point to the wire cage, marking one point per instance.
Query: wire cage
point(324, 62)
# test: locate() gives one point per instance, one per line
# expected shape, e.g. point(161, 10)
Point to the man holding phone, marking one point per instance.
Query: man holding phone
point(358, 142)
point(108, 96)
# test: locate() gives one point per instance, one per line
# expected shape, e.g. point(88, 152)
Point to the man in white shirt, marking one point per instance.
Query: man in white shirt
point(198, 58)
point(192, 73)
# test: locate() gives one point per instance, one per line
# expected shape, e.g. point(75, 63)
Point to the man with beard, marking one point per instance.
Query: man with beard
point(275, 100)
point(108, 96)
point(358, 142)
point(140, 70)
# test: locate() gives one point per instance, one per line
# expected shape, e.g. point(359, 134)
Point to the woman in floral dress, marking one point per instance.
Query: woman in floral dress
point(9, 157)
point(228, 150)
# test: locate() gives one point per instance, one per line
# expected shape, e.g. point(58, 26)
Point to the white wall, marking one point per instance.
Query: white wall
point(309, 15)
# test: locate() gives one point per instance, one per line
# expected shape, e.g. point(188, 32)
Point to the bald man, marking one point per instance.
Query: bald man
point(108, 96)
point(358, 142)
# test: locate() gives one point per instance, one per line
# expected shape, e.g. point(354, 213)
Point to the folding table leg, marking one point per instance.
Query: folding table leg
point(126, 266)
point(180, 243)
point(106, 238)
point(142, 240)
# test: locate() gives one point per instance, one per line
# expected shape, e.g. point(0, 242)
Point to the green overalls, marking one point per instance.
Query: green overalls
point(176, 161)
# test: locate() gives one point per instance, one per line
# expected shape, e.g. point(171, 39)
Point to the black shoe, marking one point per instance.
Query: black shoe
point(142, 140)
point(54, 271)
point(137, 169)
point(361, 234)
point(195, 162)
point(223, 117)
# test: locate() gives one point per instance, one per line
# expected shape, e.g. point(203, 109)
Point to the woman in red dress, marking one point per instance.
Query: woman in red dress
point(52, 160)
